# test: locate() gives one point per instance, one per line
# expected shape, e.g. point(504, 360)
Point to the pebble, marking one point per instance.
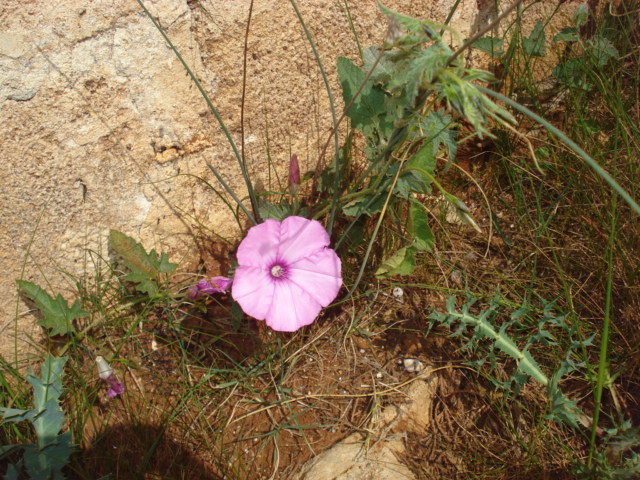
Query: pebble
point(413, 365)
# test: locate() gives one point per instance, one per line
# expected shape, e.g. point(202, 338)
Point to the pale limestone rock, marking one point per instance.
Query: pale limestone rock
point(102, 128)
point(381, 457)
point(349, 460)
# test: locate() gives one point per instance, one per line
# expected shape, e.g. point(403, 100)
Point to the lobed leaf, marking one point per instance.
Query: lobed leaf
point(145, 267)
point(489, 45)
point(370, 100)
point(57, 315)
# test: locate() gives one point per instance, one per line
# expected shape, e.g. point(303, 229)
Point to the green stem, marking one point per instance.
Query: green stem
point(603, 363)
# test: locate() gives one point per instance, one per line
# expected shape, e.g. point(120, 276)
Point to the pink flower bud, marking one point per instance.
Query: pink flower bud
point(294, 171)
point(105, 372)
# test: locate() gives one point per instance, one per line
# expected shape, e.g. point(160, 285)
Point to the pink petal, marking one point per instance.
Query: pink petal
point(301, 237)
point(311, 280)
point(260, 246)
point(318, 275)
point(214, 285)
point(253, 289)
point(292, 308)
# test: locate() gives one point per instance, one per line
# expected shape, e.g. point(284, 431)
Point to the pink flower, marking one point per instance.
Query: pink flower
point(208, 287)
point(286, 273)
point(105, 372)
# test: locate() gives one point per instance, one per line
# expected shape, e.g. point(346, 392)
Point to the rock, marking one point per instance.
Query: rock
point(350, 459)
point(102, 127)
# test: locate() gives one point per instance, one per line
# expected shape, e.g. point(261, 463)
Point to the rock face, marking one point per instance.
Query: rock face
point(380, 458)
point(102, 128)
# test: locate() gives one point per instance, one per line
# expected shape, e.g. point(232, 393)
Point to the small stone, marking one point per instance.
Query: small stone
point(413, 365)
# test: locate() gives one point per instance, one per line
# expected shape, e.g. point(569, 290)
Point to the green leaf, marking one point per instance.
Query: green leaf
point(57, 315)
point(384, 70)
point(572, 73)
point(602, 50)
point(437, 127)
point(489, 45)
point(419, 227)
point(419, 72)
point(276, 211)
point(237, 315)
point(370, 101)
point(145, 267)
point(402, 262)
point(567, 34)
point(415, 31)
point(534, 44)
point(580, 15)
point(365, 205)
point(418, 170)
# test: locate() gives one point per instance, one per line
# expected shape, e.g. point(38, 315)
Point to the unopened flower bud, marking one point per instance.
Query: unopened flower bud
point(105, 372)
point(104, 369)
point(294, 171)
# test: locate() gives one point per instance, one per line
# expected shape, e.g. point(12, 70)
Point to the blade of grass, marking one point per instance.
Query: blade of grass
point(353, 28)
point(239, 158)
point(244, 86)
point(334, 201)
point(603, 363)
point(570, 143)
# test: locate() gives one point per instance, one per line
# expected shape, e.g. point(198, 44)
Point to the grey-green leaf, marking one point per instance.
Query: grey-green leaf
point(580, 15)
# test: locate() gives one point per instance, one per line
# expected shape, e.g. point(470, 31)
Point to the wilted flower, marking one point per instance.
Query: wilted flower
point(105, 372)
point(286, 273)
point(208, 287)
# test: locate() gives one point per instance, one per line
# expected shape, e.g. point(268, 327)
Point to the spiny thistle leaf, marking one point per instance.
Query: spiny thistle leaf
point(145, 267)
point(46, 393)
point(57, 315)
point(483, 328)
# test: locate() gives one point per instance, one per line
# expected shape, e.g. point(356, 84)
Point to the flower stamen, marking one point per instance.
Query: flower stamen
point(277, 271)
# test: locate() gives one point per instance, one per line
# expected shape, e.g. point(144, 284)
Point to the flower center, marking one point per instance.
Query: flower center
point(277, 271)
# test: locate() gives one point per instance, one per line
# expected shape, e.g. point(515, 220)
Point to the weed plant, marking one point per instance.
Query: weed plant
point(209, 396)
